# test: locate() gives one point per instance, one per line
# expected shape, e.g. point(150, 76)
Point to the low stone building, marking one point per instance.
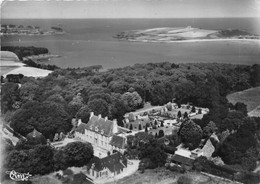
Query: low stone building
point(111, 165)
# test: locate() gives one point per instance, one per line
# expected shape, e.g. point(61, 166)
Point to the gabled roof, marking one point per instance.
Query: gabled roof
point(96, 124)
point(118, 141)
point(182, 160)
point(34, 134)
point(122, 129)
point(81, 128)
point(114, 162)
point(100, 125)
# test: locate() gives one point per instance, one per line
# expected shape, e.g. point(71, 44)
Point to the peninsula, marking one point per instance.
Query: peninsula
point(29, 30)
point(174, 34)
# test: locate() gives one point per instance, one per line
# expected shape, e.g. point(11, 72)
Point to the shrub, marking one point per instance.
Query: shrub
point(184, 180)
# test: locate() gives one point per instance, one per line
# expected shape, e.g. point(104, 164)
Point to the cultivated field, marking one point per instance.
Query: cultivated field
point(250, 97)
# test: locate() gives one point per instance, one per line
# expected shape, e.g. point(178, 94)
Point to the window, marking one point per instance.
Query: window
point(96, 129)
point(102, 132)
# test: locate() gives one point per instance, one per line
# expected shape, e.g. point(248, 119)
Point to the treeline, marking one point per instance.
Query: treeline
point(44, 159)
point(31, 63)
point(25, 51)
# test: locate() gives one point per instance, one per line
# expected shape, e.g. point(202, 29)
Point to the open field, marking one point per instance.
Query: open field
point(162, 176)
point(250, 97)
point(29, 71)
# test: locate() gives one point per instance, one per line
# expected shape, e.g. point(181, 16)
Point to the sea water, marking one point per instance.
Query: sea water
point(90, 42)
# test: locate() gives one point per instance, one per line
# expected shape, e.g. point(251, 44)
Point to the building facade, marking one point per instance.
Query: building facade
point(104, 135)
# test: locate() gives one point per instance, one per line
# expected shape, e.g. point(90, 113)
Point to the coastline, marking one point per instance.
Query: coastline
point(193, 40)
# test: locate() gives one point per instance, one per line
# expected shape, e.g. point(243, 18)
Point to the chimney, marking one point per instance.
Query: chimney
point(115, 126)
point(106, 118)
point(99, 116)
point(91, 115)
point(79, 122)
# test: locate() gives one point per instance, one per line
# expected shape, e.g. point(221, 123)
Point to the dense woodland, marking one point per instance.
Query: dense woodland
point(25, 51)
point(49, 104)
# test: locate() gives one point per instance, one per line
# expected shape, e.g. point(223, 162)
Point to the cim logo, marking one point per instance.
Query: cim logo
point(15, 176)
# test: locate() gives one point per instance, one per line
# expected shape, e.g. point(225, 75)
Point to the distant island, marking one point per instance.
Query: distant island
point(173, 34)
point(29, 30)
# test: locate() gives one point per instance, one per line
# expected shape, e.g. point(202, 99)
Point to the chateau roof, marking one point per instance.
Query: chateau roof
point(117, 141)
point(100, 125)
point(81, 128)
point(97, 124)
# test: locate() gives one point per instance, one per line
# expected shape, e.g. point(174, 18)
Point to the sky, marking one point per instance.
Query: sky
point(129, 8)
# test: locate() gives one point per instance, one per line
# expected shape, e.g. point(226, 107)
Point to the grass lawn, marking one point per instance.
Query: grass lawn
point(250, 97)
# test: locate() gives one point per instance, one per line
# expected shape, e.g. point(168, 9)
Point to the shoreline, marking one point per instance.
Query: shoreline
point(193, 40)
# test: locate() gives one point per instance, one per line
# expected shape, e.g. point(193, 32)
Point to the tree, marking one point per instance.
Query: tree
point(209, 129)
point(153, 153)
point(38, 160)
point(60, 162)
point(140, 127)
point(241, 107)
point(199, 111)
point(47, 117)
point(184, 180)
point(41, 160)
point(161, 133)
point(78, 154)
point(118, 107)
point(155, 122)
point(190, 134)
point(76, 103)
point(156, 135)
point(185, 115)
point(99, 106)
point(57, 98)
point(27, 91)
point(249, 161)
point(232, 122)
point(179, 114)
point(9, 95)
point(133, 100)
point(234, 147)
point(193, 109)
point(161, 123)
point(169, 107)
point(16, 161)
point(131, 127)
point(83, 113)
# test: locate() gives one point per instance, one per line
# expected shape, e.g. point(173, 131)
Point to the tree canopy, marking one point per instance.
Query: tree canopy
point(78, 153)
point(190, 134)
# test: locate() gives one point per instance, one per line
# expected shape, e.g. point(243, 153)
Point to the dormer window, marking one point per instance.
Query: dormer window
point(90, 127)
point(96, 129)
point(102, 132)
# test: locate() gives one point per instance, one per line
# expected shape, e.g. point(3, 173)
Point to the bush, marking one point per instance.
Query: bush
point(184, 180)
